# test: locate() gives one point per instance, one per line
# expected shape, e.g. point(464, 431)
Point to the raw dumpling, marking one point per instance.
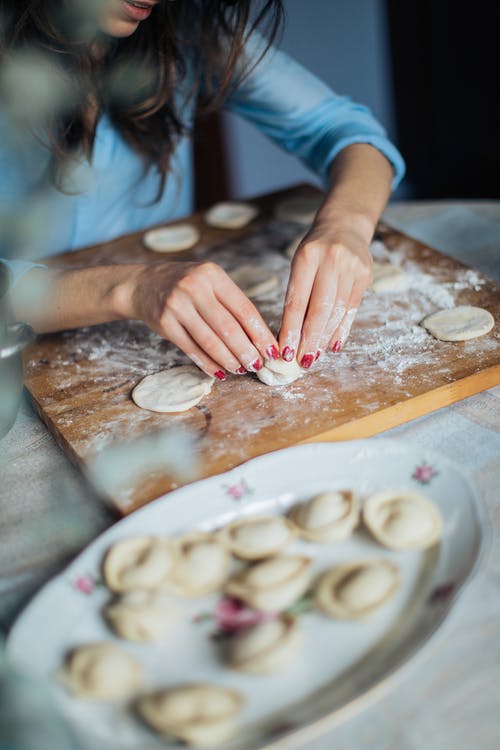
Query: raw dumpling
point(141, 615)
point(354, 590)
point(143, 562)
point(202, 565)
point(257, 537)
point(102, 671)
point(327, 517)
point(200, 714)
point(266, 647)
point(272, 585)
point(278, 372)
point(403, 520)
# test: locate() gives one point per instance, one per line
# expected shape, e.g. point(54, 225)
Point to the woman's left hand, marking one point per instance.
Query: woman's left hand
point(330, 272)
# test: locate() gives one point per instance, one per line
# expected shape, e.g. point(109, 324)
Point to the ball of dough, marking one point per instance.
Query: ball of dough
point(102, 671)
point(254, 281)
point(171, 239)
point(231, 215)
point(459, 323)
point(278, 372)
point(388, 278)
point(173, 390)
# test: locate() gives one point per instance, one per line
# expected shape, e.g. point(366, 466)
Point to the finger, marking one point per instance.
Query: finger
point(318, 315)
point(237, 305)
point(181, 338)
point(339, 311)
point(297, 298)
point(341, 333)
point(223, 307)
point(200, 332)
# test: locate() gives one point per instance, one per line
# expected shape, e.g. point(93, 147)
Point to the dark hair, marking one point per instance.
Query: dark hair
point(134, 79)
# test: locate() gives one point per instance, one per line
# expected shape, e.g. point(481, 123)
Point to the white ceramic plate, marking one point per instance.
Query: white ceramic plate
point(340, 662)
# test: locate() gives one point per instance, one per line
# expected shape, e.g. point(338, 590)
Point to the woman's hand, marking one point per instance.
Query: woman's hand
point(201, 310)
point(330, 272)
point(333, 266)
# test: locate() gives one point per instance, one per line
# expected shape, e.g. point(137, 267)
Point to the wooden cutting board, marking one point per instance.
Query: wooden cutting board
point(390, 371)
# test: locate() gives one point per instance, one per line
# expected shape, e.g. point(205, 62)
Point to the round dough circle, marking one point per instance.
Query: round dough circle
point(254, 281)
point(388, 278)
point(173, 390)
point(459, 323)
point(278, 372)
point(231, 215)
point(301, 210)
point(171, 239)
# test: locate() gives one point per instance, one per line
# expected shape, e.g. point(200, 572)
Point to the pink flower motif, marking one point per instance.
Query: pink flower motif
point(424, 473)
point(232, 615)
point(239, 490)
point(85, 584)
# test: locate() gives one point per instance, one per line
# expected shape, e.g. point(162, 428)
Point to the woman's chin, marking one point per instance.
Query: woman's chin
point(118, 27)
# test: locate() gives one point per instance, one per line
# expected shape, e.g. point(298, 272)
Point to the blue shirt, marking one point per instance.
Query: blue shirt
point(112, 196)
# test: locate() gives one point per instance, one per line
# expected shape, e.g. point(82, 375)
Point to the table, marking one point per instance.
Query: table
point(448, 695)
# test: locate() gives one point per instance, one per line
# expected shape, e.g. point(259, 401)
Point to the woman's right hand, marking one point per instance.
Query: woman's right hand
point(200, 309)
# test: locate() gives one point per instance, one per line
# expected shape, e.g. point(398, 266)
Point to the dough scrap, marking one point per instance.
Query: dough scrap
point(254, 281)
point(301, 210)
point(173, 390)
point(459, 323)
point(171, 239)
point(388, 278)
point(278, 372)
point(231, 215)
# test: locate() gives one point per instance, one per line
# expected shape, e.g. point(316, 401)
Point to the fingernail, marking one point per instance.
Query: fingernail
point(288, 353)
point(257, 365)
point(337, 347)
point(307, 361)
point(241, 370)
point(272, 352)
point(220, 375)
point(318, 355)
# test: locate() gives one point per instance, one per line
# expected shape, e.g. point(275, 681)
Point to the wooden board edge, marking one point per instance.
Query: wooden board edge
point(405, 411)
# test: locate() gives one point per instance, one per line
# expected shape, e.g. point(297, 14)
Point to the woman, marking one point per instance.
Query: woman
point(117, 159)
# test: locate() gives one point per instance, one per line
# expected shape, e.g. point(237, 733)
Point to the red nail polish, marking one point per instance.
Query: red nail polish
point(241, 370)
point(288, 353)
point(257, 365)
point(318, 354)
point(337, 347)
point(220, 375)
point(272, 352)
point(307, 361)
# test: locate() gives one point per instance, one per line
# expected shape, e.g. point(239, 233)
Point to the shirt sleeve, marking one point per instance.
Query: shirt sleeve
point(17, 269)
point(303, 115)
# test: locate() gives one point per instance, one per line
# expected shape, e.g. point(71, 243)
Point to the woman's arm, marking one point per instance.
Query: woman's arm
point(194, 305)
point(332, 267)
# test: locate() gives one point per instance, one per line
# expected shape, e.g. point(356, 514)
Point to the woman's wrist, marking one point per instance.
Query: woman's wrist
point(122, 293)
